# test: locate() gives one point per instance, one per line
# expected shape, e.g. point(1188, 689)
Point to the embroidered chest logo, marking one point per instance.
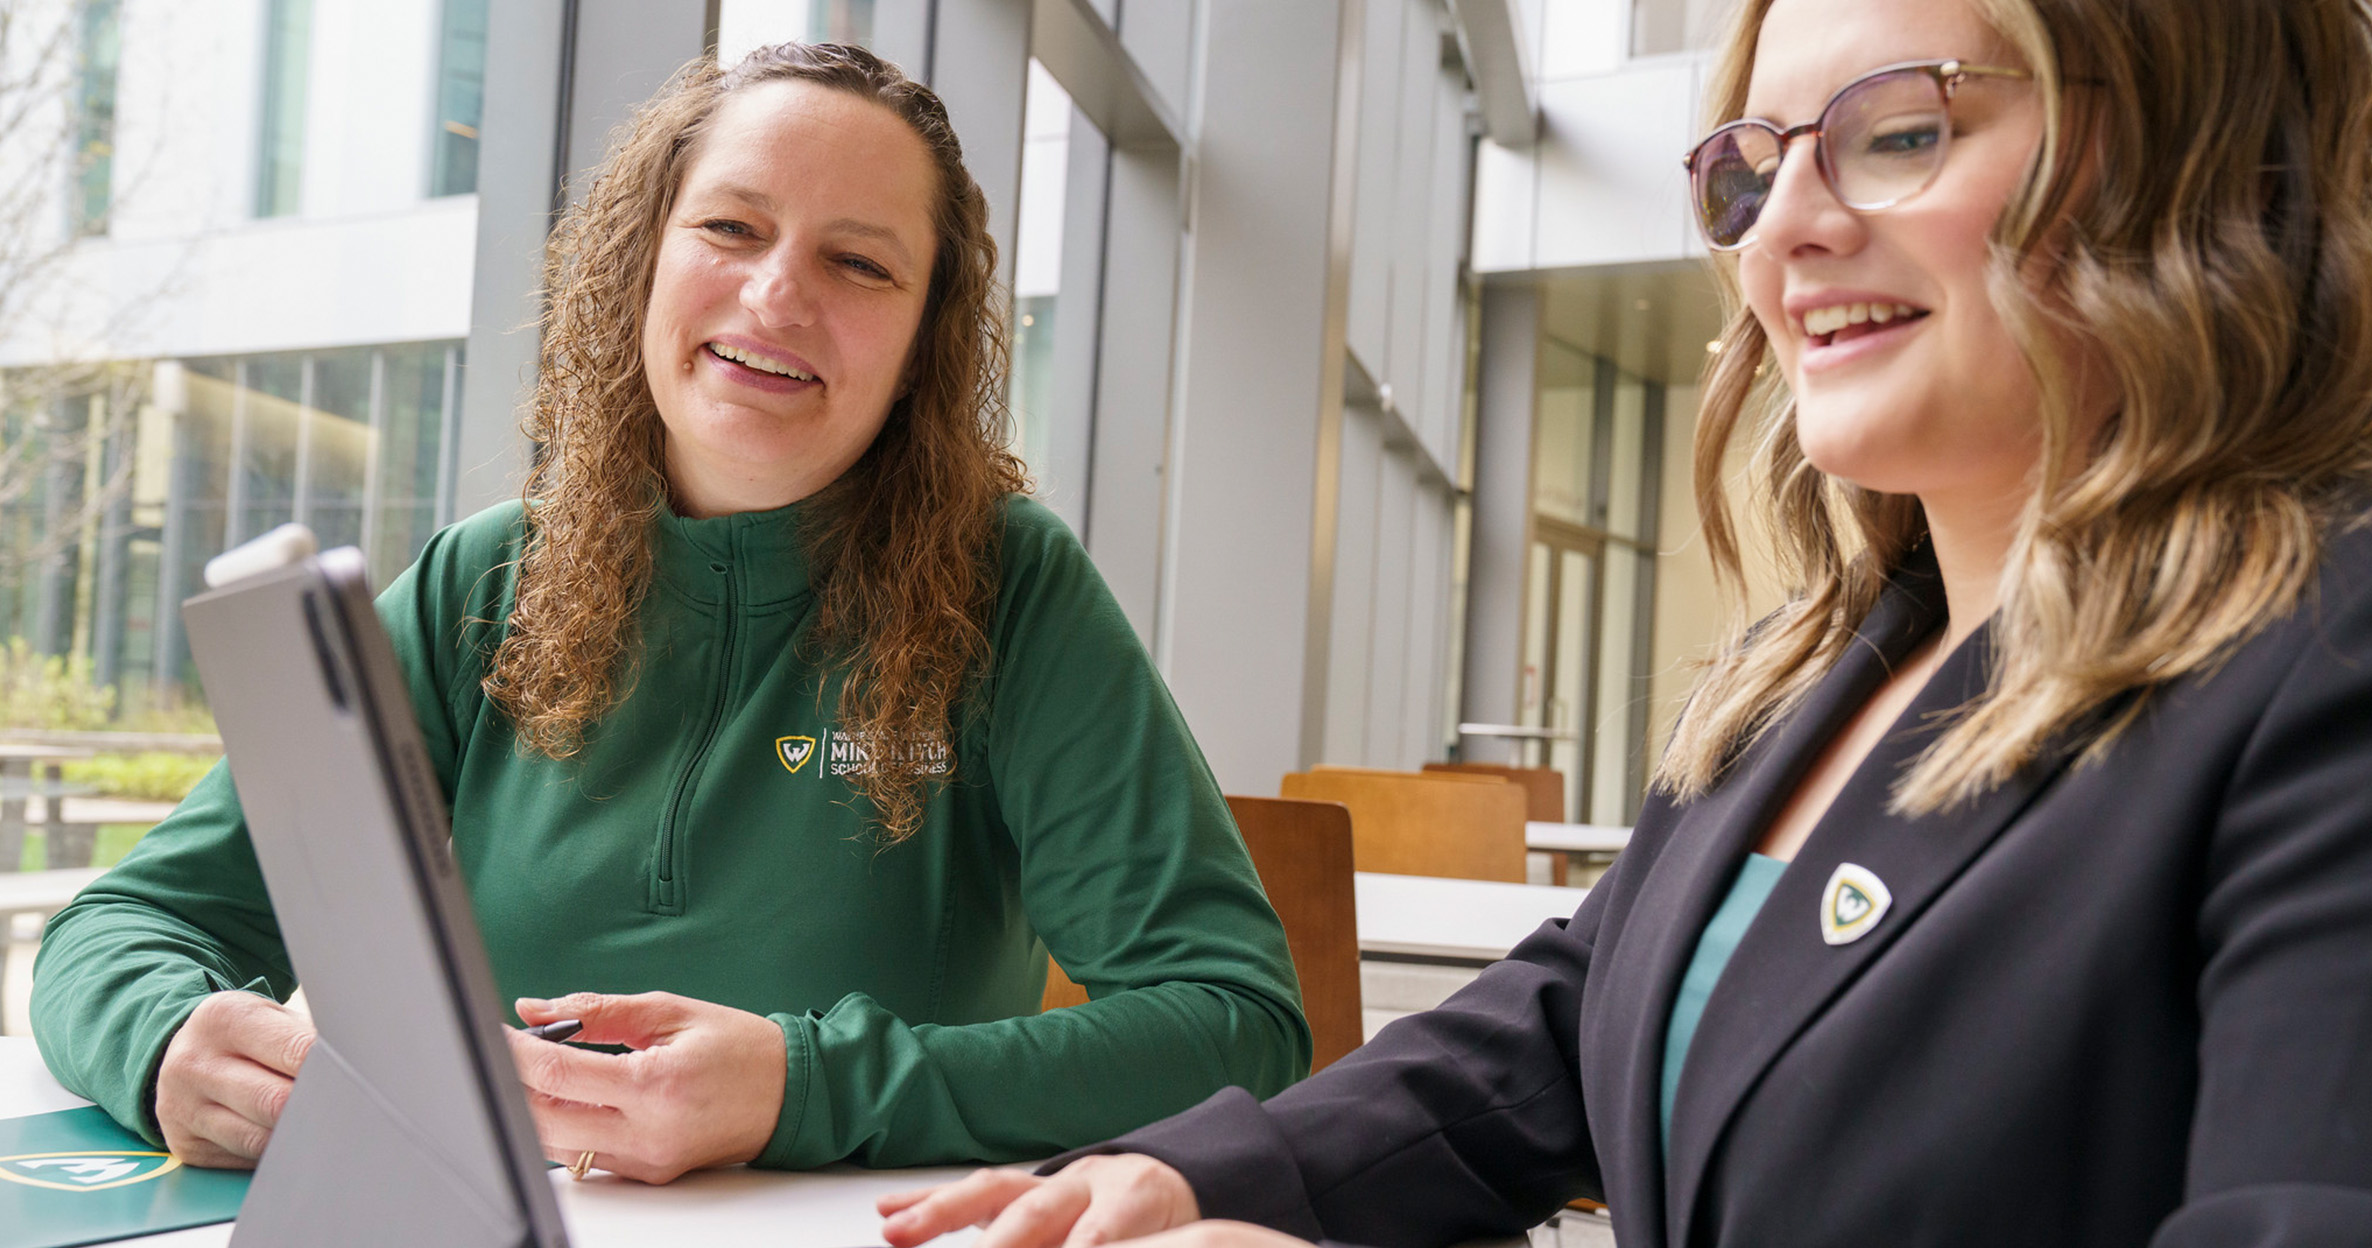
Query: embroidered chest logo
point(1852, 904)
point(848, 755)
point(86, 1172)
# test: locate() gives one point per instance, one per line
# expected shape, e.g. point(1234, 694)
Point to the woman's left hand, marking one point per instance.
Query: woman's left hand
point(702, 1086)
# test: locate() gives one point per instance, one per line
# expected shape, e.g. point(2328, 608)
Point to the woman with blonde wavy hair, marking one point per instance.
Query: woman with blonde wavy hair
point(783, 734)
point(2012, 882)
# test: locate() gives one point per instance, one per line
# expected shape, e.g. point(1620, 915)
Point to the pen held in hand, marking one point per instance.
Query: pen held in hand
point(556, 1031)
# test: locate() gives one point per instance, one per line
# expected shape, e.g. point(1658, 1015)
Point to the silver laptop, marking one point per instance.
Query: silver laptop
point(407, 1125)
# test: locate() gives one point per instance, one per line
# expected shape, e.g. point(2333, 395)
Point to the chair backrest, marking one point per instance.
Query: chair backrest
point(1443, 823)
point(1302, 851)
point(1060, 991)
point(1544, 787)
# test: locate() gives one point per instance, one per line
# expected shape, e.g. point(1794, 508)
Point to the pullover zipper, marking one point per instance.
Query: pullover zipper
point(667, 891)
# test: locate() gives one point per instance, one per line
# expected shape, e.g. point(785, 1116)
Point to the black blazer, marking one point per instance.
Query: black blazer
point(2116, 1002)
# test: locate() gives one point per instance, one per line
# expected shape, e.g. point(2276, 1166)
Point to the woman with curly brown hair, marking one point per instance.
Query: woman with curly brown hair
point(778, 726)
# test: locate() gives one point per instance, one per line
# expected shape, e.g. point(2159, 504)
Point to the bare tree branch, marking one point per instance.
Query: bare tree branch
point(59, 415)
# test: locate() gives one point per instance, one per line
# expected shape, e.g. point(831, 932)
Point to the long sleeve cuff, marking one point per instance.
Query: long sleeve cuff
point(799, 1091)
point(1232, 1155)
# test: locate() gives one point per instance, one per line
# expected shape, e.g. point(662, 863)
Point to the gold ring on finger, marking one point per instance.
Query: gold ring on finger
point(577, 1168)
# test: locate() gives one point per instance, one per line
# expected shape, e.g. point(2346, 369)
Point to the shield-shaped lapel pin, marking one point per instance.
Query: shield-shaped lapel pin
point(794, 751)
point(1852, 904)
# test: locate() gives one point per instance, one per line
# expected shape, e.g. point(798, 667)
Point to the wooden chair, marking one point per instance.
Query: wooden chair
point(1060, 991)
point(1544, 787)
point(1302, 851)
point(1544, 796)
point(1442, 823)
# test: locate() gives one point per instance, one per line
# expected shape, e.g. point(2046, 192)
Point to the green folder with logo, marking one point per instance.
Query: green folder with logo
point(74, 1177)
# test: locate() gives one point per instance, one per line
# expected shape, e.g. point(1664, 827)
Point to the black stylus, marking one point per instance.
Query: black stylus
point(561, 1030)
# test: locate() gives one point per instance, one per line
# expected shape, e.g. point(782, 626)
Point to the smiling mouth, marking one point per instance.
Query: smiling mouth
point(760, 363)
point(1844, 322)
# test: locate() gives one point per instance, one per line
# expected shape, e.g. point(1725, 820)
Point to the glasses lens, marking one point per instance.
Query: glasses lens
point(1884, 137)
point(1732, 175)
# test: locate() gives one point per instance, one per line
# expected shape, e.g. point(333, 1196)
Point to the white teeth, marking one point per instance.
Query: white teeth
point(1821, 322)
point(758, 362)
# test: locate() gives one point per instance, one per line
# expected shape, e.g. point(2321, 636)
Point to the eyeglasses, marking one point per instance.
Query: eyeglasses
point(1880, 140)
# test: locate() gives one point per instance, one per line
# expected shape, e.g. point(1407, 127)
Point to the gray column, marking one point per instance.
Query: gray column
point(1143, 215)
point(561, 75)
point(1134, 378)
point(1502, 500)
point(1069, 467)
point(979, 68)
point(1243, 618)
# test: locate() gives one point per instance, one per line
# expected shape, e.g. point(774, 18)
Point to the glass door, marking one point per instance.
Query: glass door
point(1567, 573)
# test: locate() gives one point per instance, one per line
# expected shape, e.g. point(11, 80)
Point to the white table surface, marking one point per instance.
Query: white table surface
point(1469, 921)
point(1576, 838)
point(826, 1208)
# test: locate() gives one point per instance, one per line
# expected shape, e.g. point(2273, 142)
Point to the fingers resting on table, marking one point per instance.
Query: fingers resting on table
point(1094, 1200)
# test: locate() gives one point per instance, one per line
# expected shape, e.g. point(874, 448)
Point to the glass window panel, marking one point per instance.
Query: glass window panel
point(302, 430)
point(1664, 26)
point(1569, 691)
point(20, 523)
point(840, 21)
point(411, 430)
point(460, 97)
point(1562, 434)
point(280, 156)
point(1532, 695)
point(1623, 485)
point(94, 138)
point(1037, 263)
point(197, 497)
point(262, 402)
point(1610, 720)
point(744, 25)
point(338, 446)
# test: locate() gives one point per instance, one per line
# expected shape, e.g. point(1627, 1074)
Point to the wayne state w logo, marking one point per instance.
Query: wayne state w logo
point(794, 751)
point(86, 1172)
point(1852, 904)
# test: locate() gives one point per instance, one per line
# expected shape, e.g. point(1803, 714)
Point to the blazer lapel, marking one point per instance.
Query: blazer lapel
point(1689, 877)
point(1784, 973)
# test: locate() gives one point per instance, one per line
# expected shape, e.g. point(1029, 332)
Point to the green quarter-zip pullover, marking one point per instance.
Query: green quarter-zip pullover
point(708, 842)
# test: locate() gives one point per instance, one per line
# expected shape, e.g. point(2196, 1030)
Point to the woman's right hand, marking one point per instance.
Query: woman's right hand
point(1094, 1200)
point(226, 1077)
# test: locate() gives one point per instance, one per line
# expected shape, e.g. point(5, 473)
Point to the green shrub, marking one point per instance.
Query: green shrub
point(49, 693)
point(142, 777)
point(188, 717)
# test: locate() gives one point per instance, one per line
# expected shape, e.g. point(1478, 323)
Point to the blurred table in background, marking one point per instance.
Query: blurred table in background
point(1422, 938)
point(34, 771)
point(1581, 851)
